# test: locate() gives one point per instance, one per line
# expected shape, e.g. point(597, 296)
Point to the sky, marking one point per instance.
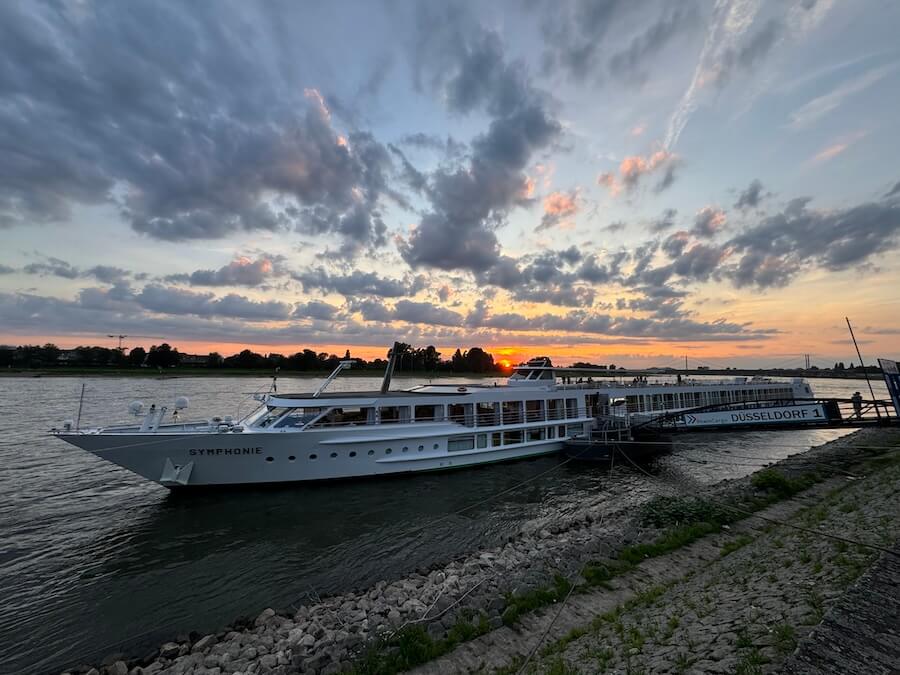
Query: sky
point(616, 181)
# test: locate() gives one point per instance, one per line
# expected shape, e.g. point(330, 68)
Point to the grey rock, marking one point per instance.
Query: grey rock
point(170, 650)
point(204, 643)
point(264, 617)
point(118, 668)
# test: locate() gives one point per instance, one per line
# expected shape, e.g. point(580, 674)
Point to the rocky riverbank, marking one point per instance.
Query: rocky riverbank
point(428, 615)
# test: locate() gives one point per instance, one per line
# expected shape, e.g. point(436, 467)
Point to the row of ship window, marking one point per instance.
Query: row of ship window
point(471, 441)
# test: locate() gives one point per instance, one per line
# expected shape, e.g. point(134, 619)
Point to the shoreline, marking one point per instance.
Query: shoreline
point(458, 606)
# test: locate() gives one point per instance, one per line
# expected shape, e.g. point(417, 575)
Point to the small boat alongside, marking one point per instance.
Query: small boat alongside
point(331, 435)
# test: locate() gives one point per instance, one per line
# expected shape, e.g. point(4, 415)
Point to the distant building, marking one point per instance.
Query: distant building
point(702, 367)
point(194, 360)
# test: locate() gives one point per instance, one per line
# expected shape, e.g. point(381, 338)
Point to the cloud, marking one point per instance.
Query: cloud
point(191, 137)
point(665, 220)
point(53, 267)
point(167, 300)
point(425, 312)
point(557, 207)
point(468, 67)
point(629, 63)
point(774, 251)
point(751, 197)
point(315, 309)
point(633, 169)
point(358, 283)
point(240, 272)
point(708, 222)
point(731, 19)
point(6, 269)
point(838, 147)
point(894, 190)
point(819, 107)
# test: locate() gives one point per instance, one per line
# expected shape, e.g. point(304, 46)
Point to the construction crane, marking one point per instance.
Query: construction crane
point(122, 337)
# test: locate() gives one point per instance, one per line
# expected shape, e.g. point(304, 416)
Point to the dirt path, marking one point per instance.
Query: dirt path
point(735, 601)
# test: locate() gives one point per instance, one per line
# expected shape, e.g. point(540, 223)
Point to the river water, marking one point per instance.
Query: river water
point(95, 560)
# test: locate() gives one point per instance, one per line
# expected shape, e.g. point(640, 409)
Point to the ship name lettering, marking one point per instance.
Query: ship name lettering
point(209, 452)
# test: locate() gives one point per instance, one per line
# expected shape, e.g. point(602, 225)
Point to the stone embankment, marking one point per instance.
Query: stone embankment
point(462, 610)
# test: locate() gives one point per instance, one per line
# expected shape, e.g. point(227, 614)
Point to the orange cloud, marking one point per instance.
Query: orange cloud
point(837, 148)
point(557, 207)
point(632, 169)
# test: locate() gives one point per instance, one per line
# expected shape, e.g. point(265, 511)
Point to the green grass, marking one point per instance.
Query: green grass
point(785, 638)
point(412, 646)
point(751, 663)
point(519, 604)
point(776, 483)
point(735, 544)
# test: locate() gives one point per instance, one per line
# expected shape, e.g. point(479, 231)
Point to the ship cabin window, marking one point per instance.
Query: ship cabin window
point(561, 430)
point(512, 437)
point(534, 411)
point(270, 416)
point(298, 417)
point(346, 416)
point(535, 434)
point(574, 429)
point(571, 407)
point(429, 413)
point(669, 401)
point(481, 440)
point(395, 414)
point(551, 432)
point(461, 413)
point(457, 443)
point(512, 412)
point(631, 403)
point(496, 439)
point(555, 409)
point(487, 414)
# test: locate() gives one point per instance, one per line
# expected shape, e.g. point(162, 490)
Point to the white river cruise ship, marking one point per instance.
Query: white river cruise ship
point(321, 435)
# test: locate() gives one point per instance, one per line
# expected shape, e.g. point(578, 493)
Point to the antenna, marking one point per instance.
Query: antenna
point(389, 370)
point(865, 372)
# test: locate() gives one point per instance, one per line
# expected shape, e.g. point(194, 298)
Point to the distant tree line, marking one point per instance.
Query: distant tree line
point(409, 359)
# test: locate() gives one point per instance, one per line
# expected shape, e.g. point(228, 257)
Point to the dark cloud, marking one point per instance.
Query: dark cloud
point(894, 190)
point(194, 132)
point(665, 221)
point(315, 309)
point(53, 267)
point(467, 65)
point(167, 300)
point(6, 269)
point(751, 197)
point(425, 312)
point(358, 283)
point(780, 246)
point(708, 222)
point(415, 179)
point(452, 148)
point(240, 272)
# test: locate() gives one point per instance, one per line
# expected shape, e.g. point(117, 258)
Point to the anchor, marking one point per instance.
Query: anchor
point(175, 475)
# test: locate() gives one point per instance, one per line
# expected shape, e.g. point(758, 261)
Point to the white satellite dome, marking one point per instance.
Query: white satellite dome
point(181, 403)
point(136, 407)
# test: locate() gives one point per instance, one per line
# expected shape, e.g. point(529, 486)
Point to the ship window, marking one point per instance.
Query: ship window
point(482, 440)
point(428, 413)
point(313, 456)
point(421, 448)
point(535, 434)
point(551, 432)
point(388, 451)
point(487, 414)
point(346, 416)
point(555, 409)
point(512, 437)
point(534, 411)
point(571, 407)
point(457, 443)
point(562, 431)
point(333, 455)
point(460, 412)
point(405, 449)
point(353, 453)
point(394, 414)
point(270, 459)
point(512, 412)
point(272, 415)
point(291, 458)
point(436, 446)
point(371, 452)
point(496, 439)
point(574, 429)
point(298, 417)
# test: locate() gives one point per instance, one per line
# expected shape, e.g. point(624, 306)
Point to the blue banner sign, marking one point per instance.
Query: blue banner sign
point(892, 379)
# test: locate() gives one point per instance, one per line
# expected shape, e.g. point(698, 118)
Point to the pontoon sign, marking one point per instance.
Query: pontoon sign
point(892, 380)
point(773, 415)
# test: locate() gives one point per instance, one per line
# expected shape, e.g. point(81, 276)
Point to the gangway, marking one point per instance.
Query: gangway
point(800, 413)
